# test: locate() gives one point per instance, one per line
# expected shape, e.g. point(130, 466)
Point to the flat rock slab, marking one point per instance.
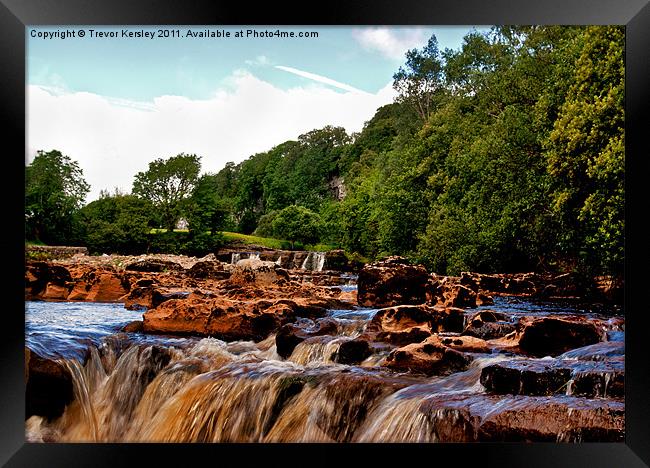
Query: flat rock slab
point(551, 377)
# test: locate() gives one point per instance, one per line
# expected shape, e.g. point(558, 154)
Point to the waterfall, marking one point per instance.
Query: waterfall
point(315, 261)
point(234, 258)
point(254, 256)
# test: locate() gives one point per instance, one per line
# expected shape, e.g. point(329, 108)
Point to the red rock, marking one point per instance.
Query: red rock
point(391, 282)
point(553, 335)
point(49, 386)
point(430, 357)
point(448, 292)
point(291, 335)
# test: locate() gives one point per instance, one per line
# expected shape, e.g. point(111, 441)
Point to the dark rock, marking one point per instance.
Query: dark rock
point(430, 357)
point(137, 326)
point(49, 386)
point(353, 351)
point(291, 335)
point(208, 270)
point(553, 336)
point(488, 325)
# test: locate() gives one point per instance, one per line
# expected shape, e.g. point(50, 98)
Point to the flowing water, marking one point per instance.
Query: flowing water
point(135, 387)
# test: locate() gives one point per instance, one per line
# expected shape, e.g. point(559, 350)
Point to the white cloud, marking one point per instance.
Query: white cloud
point(114, 139)
point(260, 60)
point(389, 42)
point(320, 79)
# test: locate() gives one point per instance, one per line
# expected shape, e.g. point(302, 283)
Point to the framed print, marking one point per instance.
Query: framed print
point(403, 231)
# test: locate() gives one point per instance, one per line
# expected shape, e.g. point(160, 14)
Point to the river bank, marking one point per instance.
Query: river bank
point(255, 352)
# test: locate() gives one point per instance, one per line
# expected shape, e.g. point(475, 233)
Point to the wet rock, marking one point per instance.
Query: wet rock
point(391, 282)
point(150, 297)
point(137, 326)
point(430, 357)
point(291, 335)
point(488, 325)
point(153, 265)
point(49, 386)
point(406, 324)
point(100, 286)
point(550, 377)
point(353, 351)
point(491, 418)
point(225, 318)
point(552, 336)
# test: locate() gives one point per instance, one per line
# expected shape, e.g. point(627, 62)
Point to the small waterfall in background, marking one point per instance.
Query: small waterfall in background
point(254, 256)
point(315, 261)
point(235, 257)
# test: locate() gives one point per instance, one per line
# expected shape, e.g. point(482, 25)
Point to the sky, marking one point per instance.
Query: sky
point(114, 103)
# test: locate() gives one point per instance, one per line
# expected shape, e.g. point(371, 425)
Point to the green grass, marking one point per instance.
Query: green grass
point(271, 243)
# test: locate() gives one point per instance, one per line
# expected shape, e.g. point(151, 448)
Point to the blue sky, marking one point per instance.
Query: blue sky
point(114, 104)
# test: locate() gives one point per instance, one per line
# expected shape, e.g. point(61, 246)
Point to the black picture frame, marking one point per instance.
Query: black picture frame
point(16, 15)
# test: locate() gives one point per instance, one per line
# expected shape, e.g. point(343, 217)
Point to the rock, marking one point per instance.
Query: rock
point(150, 297)
point(227, 319)
point(391, 282)
point(406, 324)
point(49, 386)
point(137, 326)
point(153, 265)
point(208, 270)
point(468, 344)
point(44, 280)
point(353, 351)
point(448, 292)
point(491, 418)
point(552, 336)
point(430, 357)
point(105, 287)
point(488, 325)
point(336, 260)
point(291, 335)
point(258, 272)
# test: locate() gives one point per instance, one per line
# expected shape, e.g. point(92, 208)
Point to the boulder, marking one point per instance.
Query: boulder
point(226, 319)
point(253, 271)
point(44, 280)
point(430, 357)
point(137, 326)
point(447, 291)
point(554, 335)
point(391, 282)
point(353, 351)
point(48, 386)
point(488, 325)
point(401, 325)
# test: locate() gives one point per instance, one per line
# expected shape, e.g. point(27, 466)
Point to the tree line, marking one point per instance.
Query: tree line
point(504, 155)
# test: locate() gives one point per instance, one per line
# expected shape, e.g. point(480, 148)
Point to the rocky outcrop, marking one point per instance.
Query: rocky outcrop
point(353, 351)
point(48, 386)
point(258, 272)
point(391, 282)
point(550, 377)
point(208, 270)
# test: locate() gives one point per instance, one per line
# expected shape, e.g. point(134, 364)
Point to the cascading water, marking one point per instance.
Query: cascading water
point(315, 261)
point(208, 390)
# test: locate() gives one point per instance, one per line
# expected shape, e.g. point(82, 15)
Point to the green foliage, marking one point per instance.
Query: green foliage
point(167, 184)
point(297, 223)
point(117, 224)
point(207, 210)
point(54, 190)
point(265, 225)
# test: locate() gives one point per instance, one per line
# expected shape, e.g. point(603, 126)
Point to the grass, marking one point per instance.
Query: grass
point(271, 243)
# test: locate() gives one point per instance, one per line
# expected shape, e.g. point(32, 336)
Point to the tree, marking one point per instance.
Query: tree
point(167, 184)
point(54, 190)
point(421, 78)
point(207, 210)
point(297, 223)
point(117, 224)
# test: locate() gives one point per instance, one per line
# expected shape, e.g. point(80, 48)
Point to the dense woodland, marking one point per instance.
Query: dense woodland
point(505, 155)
